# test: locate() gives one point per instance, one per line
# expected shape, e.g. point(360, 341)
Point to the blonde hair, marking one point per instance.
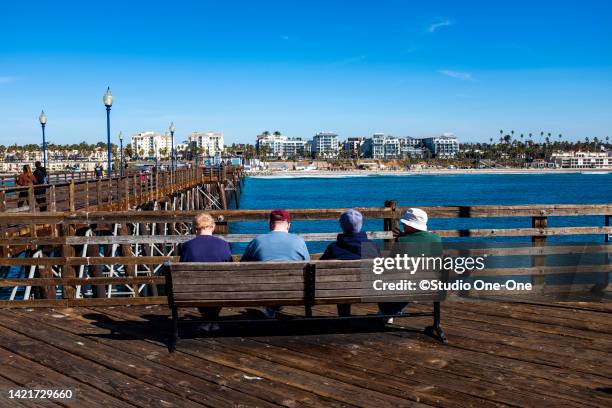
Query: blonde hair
point(204, 220)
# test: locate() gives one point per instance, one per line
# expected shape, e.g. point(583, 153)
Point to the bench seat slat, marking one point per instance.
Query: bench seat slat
point(268, 294)
point(380, 299)
point(246, 273)
point(251, 287)
point(240, 302)
point(233, 266)
point(205, 280)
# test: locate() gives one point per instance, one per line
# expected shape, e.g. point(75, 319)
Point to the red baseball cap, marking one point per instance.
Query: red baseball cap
point(280, 215)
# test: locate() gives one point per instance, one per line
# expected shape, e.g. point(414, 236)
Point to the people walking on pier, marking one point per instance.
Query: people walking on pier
point(351, 244)
point(276, 245)
point(98, 171)
point(205, 247)
point(26, 178)
point(40, 174)
point(415, 240)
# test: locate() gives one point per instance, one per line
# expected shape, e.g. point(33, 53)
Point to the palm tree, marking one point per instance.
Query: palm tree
point(276, 133)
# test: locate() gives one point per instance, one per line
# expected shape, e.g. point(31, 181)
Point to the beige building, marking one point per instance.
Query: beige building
point(211, 143)
point(152, 144)
point(582, 160)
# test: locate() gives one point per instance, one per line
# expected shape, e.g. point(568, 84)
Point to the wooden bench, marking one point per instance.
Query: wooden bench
point(286, 283)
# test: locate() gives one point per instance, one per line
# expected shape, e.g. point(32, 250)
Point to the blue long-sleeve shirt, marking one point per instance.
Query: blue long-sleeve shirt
point(276, 246)
point(206, 248)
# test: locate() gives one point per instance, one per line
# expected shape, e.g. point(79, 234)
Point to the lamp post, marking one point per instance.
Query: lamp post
point(108, 102)
point(43, 121)
point(121, 153)
point(172, 128)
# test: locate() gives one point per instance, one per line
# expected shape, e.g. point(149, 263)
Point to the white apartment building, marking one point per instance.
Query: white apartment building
point(582, 160)
point(325, 145)
point(275, 146)
point(443, 146)
point(411, 141)
point(294, 147)
point(211, 143)
point(353, 146)
point(383, 147)
point(152, 144)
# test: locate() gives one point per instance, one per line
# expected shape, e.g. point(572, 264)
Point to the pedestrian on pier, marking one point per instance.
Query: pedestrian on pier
point(205, 247)
point(40, 174)
point(26, 178)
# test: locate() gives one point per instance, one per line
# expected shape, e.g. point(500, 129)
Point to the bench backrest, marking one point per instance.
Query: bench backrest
point(279, 283)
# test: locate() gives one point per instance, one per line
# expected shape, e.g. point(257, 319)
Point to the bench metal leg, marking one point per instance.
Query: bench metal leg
point(175, 334)
point(308, 311)
point(435, 330)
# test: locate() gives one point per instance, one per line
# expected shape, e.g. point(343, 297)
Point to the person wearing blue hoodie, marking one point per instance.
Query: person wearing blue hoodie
point(350, 245)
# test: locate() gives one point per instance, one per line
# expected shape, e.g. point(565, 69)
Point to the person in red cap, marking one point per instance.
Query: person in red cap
point(276, 245)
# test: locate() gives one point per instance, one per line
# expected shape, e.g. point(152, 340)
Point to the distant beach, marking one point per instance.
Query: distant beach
point(364, 173)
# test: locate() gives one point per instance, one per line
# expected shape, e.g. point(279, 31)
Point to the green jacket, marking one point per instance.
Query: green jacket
point(420, 237)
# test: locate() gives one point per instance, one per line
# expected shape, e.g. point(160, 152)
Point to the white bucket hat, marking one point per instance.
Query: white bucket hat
point(415, 218)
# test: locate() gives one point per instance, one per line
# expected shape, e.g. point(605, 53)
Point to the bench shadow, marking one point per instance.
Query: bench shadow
point(158, 327)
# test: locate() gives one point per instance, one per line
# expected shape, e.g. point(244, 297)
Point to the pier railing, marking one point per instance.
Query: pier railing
point(107, 193)
point(115, 257)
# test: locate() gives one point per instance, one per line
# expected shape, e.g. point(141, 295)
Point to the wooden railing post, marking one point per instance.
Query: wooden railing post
point(221, 188)
point(98, 194)
point(31, 199)
point(86, 195)
point(126, 249)
point(52, 198)
point(71, 201)
point(390, 222)
point(127, 192)
point(110, 192)
point(68, 270)
point(539, 241)
point(4, 249)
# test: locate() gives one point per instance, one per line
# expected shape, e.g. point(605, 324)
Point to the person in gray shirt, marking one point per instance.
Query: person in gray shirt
point(276, 245)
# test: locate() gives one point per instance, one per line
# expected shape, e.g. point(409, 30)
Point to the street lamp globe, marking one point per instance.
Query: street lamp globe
point(120, 136)
point(108, 98)
point(172, 128)
point(42, 118)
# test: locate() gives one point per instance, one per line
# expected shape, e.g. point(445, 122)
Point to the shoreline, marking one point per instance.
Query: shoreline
point(446, 172)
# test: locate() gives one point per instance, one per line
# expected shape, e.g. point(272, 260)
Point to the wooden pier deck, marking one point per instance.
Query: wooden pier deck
point(499, 354)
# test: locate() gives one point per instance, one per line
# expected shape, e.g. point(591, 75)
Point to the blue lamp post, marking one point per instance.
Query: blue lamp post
point(43, 121)
point(172, 128)
point(108, 102)
point(121, 153)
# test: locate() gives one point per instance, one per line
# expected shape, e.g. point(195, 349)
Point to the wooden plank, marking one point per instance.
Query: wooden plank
point(217, 374)
point(30, 374)
point(177, 239)
point(262, 294)
point(231, 266)
point(433, 212)
point(119, 385)
point(115, 301)
point(126, 280)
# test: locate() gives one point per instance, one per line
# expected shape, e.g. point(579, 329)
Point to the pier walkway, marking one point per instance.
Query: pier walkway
point(499, 354)
point(132, 191)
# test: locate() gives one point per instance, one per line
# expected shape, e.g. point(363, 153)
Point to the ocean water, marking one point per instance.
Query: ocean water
point(428, 190)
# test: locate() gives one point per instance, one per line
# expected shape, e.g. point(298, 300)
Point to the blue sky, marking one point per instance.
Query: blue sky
point(355, 67)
